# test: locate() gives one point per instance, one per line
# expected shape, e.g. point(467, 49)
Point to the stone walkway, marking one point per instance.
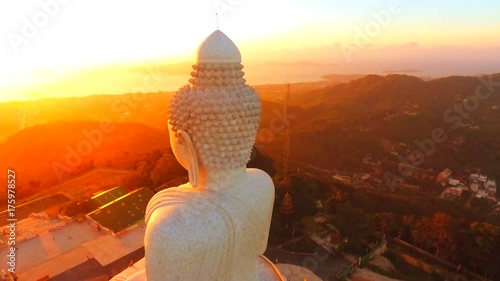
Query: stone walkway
point(317, 264)
point(56, 265)
point(107, 248)
point(55, 251)
point(48, 247)
point(296, 273)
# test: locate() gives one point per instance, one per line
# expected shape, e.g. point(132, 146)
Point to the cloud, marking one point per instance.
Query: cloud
point(409, 45)
point(408, 70)
point(299, 63)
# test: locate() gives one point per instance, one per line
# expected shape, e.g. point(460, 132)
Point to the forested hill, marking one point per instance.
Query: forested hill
point(331, 126)
point(336, 126)
point(57, 151)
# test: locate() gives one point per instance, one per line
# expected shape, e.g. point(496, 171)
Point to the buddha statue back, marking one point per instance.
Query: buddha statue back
point(216, 226)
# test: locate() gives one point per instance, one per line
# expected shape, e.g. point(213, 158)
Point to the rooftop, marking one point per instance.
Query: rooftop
point(124, 211)
point(107, 196)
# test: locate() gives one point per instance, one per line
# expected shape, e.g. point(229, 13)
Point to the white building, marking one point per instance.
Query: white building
point(491, 186)
point(453, 182)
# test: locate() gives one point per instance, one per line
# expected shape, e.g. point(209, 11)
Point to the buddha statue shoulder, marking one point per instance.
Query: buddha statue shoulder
point(216, 226)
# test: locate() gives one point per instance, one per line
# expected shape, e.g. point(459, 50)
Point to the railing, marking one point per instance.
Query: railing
point(450, 265)
point(361, 261)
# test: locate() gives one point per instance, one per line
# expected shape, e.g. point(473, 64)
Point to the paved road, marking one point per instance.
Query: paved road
point(320, 264)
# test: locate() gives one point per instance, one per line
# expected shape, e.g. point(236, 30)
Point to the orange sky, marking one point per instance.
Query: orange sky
point(68, 47)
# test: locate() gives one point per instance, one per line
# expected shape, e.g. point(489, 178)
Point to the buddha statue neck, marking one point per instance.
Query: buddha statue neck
point(220, 180)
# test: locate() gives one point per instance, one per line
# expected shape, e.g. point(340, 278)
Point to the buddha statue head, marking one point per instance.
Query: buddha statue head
point(213, 121)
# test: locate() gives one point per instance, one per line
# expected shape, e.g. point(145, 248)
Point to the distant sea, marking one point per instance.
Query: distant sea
point(125, 80)
point(120, 81)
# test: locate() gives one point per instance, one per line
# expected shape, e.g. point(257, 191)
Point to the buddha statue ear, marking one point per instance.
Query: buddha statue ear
point(193, 169)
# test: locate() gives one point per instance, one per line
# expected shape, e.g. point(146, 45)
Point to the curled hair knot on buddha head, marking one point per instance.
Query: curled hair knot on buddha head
point(220, 113)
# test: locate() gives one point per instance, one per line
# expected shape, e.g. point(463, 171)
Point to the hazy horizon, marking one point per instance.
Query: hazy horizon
point(56, 48)
point(154, 77)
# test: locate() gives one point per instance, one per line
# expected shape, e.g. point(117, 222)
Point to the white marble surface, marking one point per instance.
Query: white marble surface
point(296, 273)
point(216, 226)
point(218, 48)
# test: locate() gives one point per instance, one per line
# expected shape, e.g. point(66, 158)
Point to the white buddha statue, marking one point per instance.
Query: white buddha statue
point(216, 226)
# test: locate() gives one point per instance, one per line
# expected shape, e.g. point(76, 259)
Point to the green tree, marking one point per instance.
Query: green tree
point(353, 223)
point(435, 233)
point(261, 161)
point(305, 203)
point(310, 225)
point(134, 180)
point(166, 169)
point(481, 248)
point(388, 223)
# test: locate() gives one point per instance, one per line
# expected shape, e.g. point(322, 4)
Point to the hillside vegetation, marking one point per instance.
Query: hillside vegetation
point(335, 127)
point(44, 155)
point(332, 126)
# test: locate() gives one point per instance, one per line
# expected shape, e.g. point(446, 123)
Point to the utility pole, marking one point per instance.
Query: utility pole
point(286, 149)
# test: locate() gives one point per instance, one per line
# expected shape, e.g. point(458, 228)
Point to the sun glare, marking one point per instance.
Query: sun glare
point(45, 43)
